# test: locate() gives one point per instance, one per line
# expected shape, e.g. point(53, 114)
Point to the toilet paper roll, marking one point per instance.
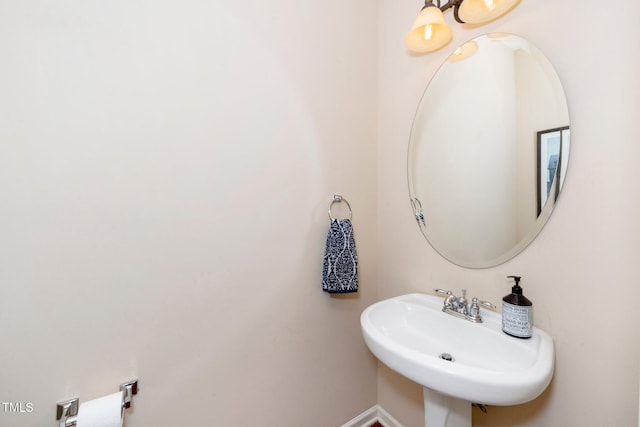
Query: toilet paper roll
point(102, 412)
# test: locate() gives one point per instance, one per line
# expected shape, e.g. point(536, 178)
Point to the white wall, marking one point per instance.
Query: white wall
point(165, 173)
point(581, 270)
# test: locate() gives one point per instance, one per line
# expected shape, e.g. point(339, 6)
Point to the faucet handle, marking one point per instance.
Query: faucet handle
point(474, 309)
point(450, 300)
point(486, 304)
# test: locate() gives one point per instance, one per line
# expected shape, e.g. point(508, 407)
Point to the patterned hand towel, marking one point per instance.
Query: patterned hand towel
point(340, 270)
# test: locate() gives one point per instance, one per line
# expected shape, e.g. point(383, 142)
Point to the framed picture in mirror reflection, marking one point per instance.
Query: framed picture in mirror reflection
point(552, 155)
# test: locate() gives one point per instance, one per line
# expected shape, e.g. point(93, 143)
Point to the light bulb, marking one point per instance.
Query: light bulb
point(428, 32)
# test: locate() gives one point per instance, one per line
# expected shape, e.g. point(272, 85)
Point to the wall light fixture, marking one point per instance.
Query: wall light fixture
point(430, 32)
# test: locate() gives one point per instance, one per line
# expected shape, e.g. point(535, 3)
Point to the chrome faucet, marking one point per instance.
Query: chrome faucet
point(459, 307)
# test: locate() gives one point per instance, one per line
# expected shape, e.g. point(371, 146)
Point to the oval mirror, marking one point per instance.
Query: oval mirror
point(489, 150)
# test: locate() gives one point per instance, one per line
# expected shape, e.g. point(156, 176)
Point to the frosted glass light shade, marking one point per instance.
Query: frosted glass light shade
point(464, 51)
point(481, 11)
point(429, 32)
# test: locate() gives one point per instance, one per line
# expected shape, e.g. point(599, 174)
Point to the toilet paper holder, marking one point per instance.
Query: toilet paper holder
point(67, 410)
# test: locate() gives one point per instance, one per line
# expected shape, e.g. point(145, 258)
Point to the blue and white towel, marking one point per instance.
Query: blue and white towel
point(340, 270)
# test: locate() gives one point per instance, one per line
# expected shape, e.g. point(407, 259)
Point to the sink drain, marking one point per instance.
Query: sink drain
point(447, 357)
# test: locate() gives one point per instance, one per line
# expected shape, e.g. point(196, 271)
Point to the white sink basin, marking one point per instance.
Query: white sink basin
point(409, 333)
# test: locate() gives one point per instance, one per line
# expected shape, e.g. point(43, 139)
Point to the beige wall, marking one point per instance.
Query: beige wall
point(581, 270)
point(165, 170)
point(165, 173)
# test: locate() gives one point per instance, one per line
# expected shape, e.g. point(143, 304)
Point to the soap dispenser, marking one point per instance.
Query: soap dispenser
point(517, 312)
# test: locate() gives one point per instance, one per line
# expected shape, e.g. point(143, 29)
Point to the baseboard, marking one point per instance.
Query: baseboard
point(386, 419)
point(365, 419)
point(370, 416)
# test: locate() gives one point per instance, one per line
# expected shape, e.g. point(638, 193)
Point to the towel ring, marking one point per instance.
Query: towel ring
point(417, 211)
point(337, 199)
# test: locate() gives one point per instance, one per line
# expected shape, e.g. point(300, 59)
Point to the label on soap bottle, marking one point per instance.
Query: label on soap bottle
point(517, 320)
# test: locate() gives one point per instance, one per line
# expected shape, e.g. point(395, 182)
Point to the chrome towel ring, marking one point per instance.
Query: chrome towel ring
point(337, 199)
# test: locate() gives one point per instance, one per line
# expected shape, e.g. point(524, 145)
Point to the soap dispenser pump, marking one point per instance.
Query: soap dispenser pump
point(517, 312)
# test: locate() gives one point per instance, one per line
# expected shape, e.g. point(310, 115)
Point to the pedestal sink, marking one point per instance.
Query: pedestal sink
point(456, 361)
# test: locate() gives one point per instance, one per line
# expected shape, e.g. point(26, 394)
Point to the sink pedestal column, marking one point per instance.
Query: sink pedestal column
point(445, 411)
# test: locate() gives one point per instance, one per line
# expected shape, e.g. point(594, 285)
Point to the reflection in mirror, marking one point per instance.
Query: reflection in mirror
point(489, 151)
point(553, 151)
